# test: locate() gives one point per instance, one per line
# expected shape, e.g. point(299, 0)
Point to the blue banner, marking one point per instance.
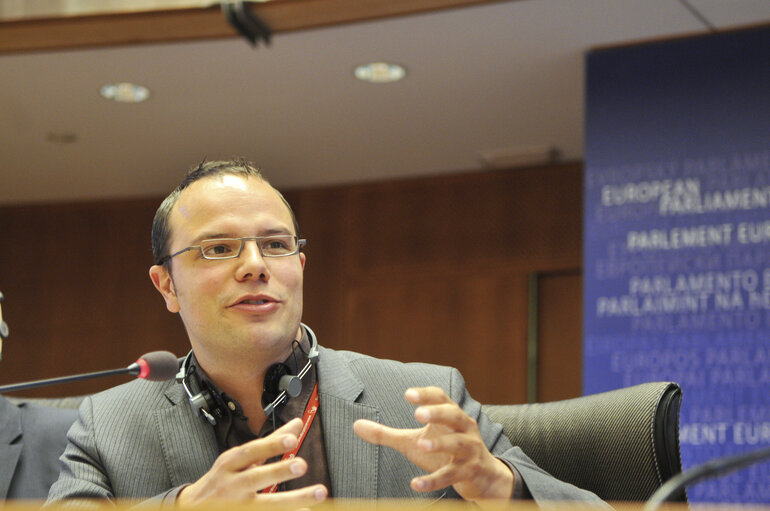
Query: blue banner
point(677, 239)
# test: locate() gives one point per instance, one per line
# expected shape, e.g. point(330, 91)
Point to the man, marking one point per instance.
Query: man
point(228, 261)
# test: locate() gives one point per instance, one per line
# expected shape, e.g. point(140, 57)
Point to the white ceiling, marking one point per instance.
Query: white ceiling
point(501, 76)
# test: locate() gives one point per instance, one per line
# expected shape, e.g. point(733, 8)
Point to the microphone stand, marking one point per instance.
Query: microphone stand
point(68, 379)
point(719, 466)
point(161, 362)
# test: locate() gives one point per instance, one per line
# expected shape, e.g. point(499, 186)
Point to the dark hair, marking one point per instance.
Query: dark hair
point(161, 231)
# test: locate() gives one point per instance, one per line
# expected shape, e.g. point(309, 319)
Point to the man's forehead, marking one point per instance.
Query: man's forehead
point(231, 193)
point(206, 192)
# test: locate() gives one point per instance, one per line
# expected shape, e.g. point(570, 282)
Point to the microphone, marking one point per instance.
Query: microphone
point(153, 366)
point(711, 468)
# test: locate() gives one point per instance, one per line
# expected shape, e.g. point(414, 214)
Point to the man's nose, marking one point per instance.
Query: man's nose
point(251, 262)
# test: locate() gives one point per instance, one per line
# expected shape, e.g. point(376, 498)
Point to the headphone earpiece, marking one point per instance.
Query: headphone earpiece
point(279, 384)
point(278, 379)
point(201, 402)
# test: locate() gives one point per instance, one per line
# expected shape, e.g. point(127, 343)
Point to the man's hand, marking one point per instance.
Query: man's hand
point(449, 447)
point(239, 473)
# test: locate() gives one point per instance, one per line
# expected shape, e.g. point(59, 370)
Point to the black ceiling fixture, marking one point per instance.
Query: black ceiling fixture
point(246, 23)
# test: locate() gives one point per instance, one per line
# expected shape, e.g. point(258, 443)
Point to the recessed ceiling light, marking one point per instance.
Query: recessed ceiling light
point(379, 72)
point(125, 92)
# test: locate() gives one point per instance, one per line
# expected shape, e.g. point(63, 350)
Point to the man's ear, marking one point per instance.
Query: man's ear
point(161, 279)
point(302, 258)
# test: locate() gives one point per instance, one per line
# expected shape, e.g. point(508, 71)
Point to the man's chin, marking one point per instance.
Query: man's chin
point(265, 337)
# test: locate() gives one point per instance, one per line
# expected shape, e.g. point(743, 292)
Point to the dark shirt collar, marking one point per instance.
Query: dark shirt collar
point(232, 426)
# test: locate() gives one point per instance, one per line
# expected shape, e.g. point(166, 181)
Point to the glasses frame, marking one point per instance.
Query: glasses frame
point(300, 243)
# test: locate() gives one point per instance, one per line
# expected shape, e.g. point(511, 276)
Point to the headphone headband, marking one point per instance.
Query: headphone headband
point(287, 385)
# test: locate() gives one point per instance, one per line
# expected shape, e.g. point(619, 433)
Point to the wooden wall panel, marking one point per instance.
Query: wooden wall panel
point(560, 331)
point(323, 215)
point(522, 218)
point(432, 269)
point(475, 322)
point(77, 294)
point(401, 259)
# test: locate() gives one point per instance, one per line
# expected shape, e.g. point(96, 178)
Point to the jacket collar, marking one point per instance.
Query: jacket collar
point(190, 446)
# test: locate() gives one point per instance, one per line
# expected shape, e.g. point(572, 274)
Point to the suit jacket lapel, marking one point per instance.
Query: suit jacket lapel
point(190, 446)
point(189, 443)
point(352, 462)
point(10, 431)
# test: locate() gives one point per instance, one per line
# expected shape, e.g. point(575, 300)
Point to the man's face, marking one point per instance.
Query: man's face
point(233, 309)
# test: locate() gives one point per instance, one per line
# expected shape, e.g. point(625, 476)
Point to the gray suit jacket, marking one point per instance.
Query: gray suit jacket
point(32, 438)
point(141, 440)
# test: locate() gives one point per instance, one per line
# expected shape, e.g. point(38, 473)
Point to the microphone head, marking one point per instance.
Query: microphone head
point(158, 366)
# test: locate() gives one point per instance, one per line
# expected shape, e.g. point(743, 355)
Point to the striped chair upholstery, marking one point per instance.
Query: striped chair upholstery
point(621, 445)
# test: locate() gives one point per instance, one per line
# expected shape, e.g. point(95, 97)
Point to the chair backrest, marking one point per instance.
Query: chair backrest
point(31, 463)
point(622, 445)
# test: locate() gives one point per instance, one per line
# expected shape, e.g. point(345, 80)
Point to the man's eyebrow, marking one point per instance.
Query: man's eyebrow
point(214, 236)
point(268, 232)
point(280, 230)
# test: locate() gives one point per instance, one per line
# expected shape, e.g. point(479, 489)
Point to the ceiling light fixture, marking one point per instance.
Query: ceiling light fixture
point(379, 72)
point(125, 92)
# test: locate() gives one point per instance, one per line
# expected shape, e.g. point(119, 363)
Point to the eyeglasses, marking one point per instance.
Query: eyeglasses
point(280, 245)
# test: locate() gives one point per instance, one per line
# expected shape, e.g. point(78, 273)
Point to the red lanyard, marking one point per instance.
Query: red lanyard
point(307, 420)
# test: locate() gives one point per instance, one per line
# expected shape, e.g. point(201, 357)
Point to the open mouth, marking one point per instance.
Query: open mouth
point(254, 302)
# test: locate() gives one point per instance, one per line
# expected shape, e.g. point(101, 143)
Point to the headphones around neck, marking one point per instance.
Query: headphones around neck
point(278, 387)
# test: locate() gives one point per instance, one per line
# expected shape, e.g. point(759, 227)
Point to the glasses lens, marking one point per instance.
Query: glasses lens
point(278, 245)
point(221, 248)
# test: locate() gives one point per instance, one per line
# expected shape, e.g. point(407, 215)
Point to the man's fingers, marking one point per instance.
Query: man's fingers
point(370, 431)
point(449, 414)
point(260, 477)
point(255, 452)
point(240, 485)
point(426, 396)
point(303, 497)
point(294, 427)
point(375, 433)
point(456, 445)
point(258, 451)
point(445, 476)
